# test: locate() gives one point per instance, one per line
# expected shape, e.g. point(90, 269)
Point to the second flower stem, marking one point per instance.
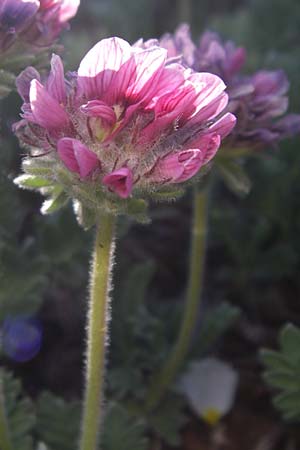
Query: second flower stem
point(97, 332)
point(197, 254)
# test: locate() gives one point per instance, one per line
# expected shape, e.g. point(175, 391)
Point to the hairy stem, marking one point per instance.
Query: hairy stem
point(97, 332)
point(5, 442)
point(174, 362)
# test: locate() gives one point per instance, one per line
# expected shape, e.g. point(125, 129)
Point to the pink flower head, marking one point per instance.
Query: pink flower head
point(257, 101)
point(128, 123)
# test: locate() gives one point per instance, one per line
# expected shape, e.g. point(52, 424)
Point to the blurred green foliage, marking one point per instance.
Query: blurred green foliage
point(18, 412)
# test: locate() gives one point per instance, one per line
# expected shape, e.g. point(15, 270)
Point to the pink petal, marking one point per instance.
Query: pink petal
point(208, 86)
point(99, 71)
point(208, 144)
point(179, 167)
point(46, 111)
point(97, 108)
point(170, 107)
point(56, 80)
point(148, 69)
point(68, 10)
point(224, 125)
point(169, 169)
point(211, 110)
point(192, 162)
point(120, 181)
point(65, 150)
point(171, 78)
point(77, 157)
point(23, 82)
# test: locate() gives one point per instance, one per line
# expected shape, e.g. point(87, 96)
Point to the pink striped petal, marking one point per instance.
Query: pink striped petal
point(224, 125)
point(101, 73)
point(208, 144)
point(177, 105)
point(208, 86)
point(179, 167)
point(120, 181)
point(171, 78)
point(56, 80)
point(149, 65)
point(211, 110)
point(46, 111)
point(77, 157)
point(192, 160)
point(97, 108)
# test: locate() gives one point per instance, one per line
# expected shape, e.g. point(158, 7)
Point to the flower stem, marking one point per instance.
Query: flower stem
point(97, 332)
point(5, 442)
point(193, 296)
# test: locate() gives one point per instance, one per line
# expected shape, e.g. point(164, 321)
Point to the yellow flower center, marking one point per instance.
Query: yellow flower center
point(211, 416)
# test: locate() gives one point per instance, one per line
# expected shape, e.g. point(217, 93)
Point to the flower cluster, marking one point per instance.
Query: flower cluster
point(27, 29)
point(126, 124)
point(259, 101)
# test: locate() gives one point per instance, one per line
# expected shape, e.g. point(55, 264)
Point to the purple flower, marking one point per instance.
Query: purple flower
point(28, 30)
point(259, 101)
point(21, 338)
point(128, 124)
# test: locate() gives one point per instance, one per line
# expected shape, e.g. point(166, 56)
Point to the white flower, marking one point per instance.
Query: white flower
point(210, 386)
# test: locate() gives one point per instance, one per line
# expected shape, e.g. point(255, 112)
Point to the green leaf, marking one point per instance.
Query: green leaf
point(215, 323)
point(38, 167)
point(32, 181)
point(121, 431)
point(274, 360)
point(58, 422)
point(55, 203)
point(18, 410)
point(289, 340)
point(234, 177)
point(86, 217)
point(136, 208)
point(282, 380)
point(289, 404)
point(169, 419)
point(283, 372)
